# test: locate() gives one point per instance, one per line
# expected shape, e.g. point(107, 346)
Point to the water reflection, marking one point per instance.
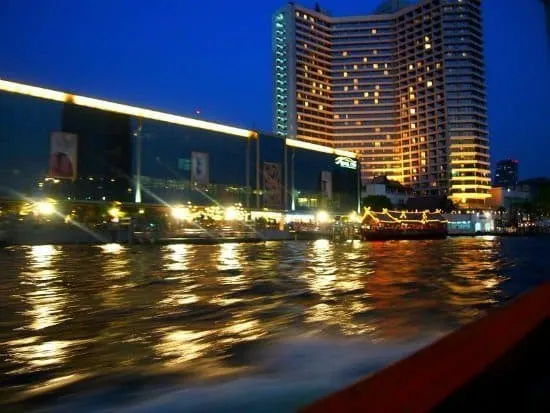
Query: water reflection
point(73, 311)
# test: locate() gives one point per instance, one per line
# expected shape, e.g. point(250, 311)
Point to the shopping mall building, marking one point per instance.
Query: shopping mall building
point(65, 146)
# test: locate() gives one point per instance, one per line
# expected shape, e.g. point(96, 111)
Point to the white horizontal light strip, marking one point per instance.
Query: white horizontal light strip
point(124, 109)
point(319, 148)
point(33, 91)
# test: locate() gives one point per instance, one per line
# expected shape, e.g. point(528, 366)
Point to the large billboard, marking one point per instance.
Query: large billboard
point(272, 185)
point(63, 155)
point(200, 168)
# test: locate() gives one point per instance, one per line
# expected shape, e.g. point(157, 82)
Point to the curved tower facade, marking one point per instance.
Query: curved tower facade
point(403, 87)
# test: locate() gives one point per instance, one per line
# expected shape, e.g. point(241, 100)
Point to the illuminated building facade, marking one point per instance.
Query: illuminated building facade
point(403, 87)
point(125, 150)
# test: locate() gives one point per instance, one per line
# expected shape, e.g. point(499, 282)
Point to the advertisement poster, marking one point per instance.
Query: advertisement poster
point(63, 155)
point(200, 168)
point(272, 185)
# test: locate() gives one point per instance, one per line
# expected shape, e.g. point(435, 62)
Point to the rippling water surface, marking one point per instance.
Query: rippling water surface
point(236, 327)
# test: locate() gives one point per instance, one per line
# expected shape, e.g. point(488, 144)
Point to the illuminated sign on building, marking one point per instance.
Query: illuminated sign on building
point(346, 162)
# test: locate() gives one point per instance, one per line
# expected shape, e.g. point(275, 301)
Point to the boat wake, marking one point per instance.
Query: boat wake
point(281, 376)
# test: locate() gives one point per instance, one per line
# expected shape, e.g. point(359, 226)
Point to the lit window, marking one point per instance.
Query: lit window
point(320, 71)
point(313, 91)
point(299, 117)
point(429, 83)
point(358, 123)
point(411, 67)
point(411, 89)
point(373, 31)
point(366, 94)
point(464, 54)
point(306, 67)
point(423, 162)
point(376, 94)
point(356, 102)
point(305, 16)
point(344, 54)
point(413, 125)
point(427, 68)
point(375, 66)
point(314, 84)
point(419, 64)
point(386, 72)
point(427, 38)
point(355, 87)
point(376, 101)
point(336, 116)
point(377, 87)
point(438, 65)
point(321, 107)
point(306, 103)
point(377, 144)
point(375, 52)
point(345, 74)
point(420, 78)
point(385, 65)
point(345, 88)
point(320, 85)
point(413, 111)
point(354, 67)
point(377, 129)
point(427, 46)
point(411, 96)
point(355, 81)
point(312, 19)
point(365, 59)
point(305, 45)
point(321, 92)
point(328, 87)
point(297, 14)
point(422, 154)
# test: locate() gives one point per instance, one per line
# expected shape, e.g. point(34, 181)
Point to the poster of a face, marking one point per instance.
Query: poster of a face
point(199, 168)
point(63, 155)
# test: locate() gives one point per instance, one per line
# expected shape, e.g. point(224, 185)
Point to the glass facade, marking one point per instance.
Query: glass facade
point(178, 164)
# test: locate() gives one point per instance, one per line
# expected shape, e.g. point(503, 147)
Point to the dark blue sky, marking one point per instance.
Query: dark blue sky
point(180, 55)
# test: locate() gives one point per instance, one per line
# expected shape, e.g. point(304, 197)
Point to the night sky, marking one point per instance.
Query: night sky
point(215, 56)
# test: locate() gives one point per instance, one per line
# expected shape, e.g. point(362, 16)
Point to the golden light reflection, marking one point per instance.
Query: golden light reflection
point(178, 256)
point(48, 296)
point(182, 346)
point(243, 330)
point(39, 355)
point(230, 258)
point(112, 248)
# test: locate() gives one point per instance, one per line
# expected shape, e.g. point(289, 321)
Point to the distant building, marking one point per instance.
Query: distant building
point(404, 87)
point(506, 175)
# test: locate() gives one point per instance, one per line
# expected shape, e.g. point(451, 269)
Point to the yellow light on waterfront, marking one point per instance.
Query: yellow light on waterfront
point(181, 213)
point(354, 217)
point(44, 208)
point(231, 214)
point(323, 217)
point(121, 108)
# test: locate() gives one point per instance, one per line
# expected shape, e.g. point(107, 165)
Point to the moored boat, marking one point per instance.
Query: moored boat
point(390, 225)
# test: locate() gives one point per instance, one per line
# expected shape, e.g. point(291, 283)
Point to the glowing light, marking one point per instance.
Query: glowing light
point(319, 148)
point(323, 217)
point(354, 217)
point(121, 108)
point(181, 213)
point(231, 214)
point(45, 208)
point(114, 212)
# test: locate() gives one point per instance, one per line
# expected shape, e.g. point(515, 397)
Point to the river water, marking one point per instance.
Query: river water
point(236, 327)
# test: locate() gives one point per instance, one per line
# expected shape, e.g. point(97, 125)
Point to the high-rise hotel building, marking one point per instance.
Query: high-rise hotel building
point(403, 87)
